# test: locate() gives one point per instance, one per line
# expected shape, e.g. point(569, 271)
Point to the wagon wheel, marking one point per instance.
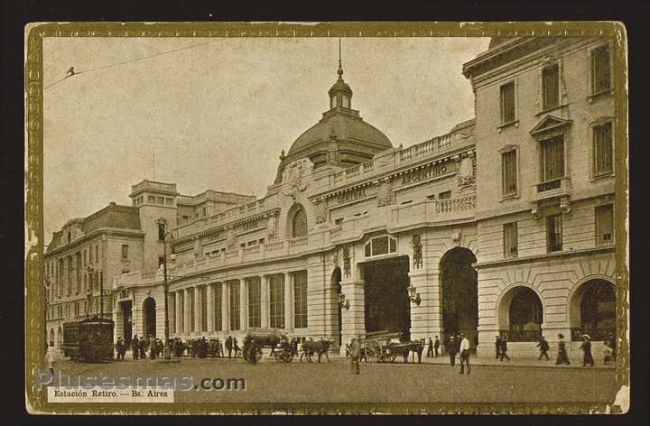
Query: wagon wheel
point(392, 357)
point(286, 356)
point(257, 355)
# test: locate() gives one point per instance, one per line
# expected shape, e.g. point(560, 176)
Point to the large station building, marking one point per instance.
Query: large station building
point(504, 225)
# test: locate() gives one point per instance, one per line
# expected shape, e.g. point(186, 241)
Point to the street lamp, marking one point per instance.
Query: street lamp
point(162, 223)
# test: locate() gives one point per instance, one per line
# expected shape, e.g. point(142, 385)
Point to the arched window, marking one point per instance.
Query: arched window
point(299, 223)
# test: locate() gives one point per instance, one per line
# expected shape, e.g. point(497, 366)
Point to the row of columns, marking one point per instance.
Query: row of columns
point(186, 313)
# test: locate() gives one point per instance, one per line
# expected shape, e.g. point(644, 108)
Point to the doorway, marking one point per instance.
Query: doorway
point(387, 305)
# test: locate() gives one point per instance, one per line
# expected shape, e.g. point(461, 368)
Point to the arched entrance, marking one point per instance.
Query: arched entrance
point(51, 337)
point(459, 285)
point(521, 315)
point(593, 310)
point(387, 306)
point(149, 317)
point(335, 284)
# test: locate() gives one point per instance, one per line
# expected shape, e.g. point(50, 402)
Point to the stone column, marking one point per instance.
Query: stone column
point(354, 320)
point(171, 312)
point(426, 318)
point(264, 308)
point(209, 294)
point(243, 305)
point(288, 301)
point(197, 310)
point(187, 329)
point(225, 307)
point(178, 325)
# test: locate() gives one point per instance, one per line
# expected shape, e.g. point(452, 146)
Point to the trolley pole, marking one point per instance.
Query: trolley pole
point(166, 352)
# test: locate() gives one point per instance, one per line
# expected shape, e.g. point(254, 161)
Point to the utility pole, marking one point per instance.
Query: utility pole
point(162, 222)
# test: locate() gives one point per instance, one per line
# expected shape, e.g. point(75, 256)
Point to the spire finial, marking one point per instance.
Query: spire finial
point(340, 70)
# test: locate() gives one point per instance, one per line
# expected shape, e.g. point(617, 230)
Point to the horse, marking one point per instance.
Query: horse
point(320, 347)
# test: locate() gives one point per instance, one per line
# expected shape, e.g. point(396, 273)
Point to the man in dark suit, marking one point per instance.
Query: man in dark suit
point(135, 346)
point(504, 348)
point(451, 349)
point(436, 347)
point(229, 346)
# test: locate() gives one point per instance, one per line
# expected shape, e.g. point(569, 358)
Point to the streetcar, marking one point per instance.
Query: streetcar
point(89, 340)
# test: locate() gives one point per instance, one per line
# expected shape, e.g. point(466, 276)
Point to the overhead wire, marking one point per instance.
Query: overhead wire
point(74, 73)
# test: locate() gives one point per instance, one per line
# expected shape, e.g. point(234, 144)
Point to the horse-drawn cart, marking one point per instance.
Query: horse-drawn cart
point(255, 340)
point(384, 346)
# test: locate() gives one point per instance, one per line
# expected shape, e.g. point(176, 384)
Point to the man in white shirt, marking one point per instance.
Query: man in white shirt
point(464, 353)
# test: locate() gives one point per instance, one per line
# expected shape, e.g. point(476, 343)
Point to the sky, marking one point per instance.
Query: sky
point(216, 113)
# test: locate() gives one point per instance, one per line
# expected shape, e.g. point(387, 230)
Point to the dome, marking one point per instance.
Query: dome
point(342, 126)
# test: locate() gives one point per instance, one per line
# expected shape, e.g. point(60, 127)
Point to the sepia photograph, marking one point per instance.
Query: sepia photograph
point(313, 218)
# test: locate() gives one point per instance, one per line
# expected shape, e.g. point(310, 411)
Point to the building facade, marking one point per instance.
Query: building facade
point(504, 225)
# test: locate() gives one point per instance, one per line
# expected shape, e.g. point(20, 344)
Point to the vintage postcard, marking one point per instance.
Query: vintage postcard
point(313, 218)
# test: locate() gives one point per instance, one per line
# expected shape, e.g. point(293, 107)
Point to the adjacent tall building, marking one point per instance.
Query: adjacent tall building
point(502, 226)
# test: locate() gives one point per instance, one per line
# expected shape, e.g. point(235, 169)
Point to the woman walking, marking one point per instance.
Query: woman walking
point(587, 357)
point(355, 353)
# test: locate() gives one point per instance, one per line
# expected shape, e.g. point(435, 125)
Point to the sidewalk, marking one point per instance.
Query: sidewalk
point(514, 362)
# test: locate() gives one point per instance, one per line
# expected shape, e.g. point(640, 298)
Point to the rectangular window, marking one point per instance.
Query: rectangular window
point(97, 253)
point(161, 261)
point(603, 155)
point(276, 302)
point(551, 86)
point(125, 251)
point(218, 300)
point(605, 225)
point(151, 199)
point(509, 172)
point(510, 240)
point(552, 158)
point(169, 201)
point(85, 257)
point(254, 302)
point(507, 103)
point(300, 299)
point(234, 305)
point(554, 233)
point(444, 195)
point(161, 200)
point(90, 255)
point(600, 69)
point(203, 292)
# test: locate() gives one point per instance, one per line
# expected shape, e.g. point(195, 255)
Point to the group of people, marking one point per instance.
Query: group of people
point(609, 353)
point(140, 347)
point(458, 344)
point(433, 348)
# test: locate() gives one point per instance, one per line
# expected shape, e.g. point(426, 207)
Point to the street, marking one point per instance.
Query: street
point(277, 382)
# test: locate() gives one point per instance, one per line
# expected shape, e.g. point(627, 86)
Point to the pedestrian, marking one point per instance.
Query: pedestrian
point(135, 346)
point(608, 353)
point(612, 344)
point(543, 348)
point(436, 347)
point(497, 346)
point(50, 357)
point(504, 348)
point(229, 346)
point(464, 353)
point(151, 344)
point(430, 348)
point(235, 346)
point(355, 354)
point(451, 349)
point(562, 357)
point(587, 357)
point(143, 348)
